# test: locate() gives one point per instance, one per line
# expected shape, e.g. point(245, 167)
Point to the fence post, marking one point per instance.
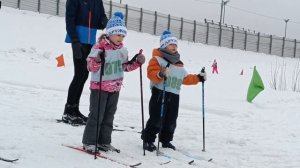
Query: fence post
point(283, 46)
point(220, 34)
point(271, 41)
point(155, 22)
point(207, 32)
point(141, 19)
point(57, 7)
point(110, 8)
point(39, 6)
point(232, 40)
point(181, 28)
point(295, 48)
point(258, 41)
point(126, 14)
point(169, 21)
point(19, 4)
point(245, 43)
point(194, 33)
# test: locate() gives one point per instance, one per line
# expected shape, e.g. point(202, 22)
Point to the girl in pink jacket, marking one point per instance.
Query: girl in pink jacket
point(110, 50)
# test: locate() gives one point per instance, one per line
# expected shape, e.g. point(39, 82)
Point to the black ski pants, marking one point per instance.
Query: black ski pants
point(80, 75)
point(169, 118)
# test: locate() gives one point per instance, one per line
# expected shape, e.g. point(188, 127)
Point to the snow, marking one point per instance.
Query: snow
point(265, 133)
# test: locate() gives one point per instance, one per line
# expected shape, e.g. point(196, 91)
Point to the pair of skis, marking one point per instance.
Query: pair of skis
point(99, 155)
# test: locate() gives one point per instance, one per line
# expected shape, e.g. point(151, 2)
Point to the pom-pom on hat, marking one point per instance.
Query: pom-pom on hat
point(167, 38)
point(116, 25)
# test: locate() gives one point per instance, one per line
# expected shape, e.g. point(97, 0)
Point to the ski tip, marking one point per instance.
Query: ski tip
point(191, 162)
point(135, 165)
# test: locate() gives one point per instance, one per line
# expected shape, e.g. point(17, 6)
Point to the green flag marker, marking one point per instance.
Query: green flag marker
point(255, 87)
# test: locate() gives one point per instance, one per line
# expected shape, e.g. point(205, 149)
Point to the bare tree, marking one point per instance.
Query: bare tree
point(296, 75)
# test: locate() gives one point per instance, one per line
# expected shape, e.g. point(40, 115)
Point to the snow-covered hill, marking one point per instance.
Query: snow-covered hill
point(265, 133)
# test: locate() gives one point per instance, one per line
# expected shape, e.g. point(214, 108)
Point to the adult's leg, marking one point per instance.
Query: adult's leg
point(80, 76)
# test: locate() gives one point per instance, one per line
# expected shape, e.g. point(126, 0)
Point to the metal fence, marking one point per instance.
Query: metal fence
point(139, 19)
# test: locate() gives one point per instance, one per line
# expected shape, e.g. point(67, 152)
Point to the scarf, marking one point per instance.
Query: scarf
point(172, 58)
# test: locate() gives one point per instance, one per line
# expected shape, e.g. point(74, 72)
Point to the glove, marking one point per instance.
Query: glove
point(76, 48)
point(140, 59)
point(202, 76)
point(100, 56)
point(164, 72)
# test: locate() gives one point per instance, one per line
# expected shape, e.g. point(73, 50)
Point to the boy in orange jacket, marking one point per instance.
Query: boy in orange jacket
point(165, 64)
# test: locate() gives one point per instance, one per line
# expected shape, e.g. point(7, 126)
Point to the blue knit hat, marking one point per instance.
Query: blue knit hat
point(116, 25)
point(167, 38)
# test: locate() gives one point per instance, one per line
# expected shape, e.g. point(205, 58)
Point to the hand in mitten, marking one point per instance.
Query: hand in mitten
point(164, 72)
point(76, 47)
point(202, 75)
point(140, 59)
point(100, 56)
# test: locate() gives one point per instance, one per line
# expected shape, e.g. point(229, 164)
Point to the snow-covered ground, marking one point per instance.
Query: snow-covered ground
point(265, 133)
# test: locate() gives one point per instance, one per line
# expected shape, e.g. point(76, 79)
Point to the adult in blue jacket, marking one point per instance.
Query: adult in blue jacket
point(83, 18)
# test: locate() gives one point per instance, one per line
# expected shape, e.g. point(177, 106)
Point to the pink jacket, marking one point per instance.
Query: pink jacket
point(116, 62)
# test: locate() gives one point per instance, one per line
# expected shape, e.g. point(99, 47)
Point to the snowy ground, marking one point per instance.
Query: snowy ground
point(265, 133)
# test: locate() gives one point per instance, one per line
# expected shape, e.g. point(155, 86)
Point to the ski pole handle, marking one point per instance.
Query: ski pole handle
point(141, 51)
point(203, 70)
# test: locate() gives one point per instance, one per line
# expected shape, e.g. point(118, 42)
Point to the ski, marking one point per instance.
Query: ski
point(199, 158)
point(8, 160)
point(190, 162)
point(75, 125)
point(163, 163)
point(99, 155)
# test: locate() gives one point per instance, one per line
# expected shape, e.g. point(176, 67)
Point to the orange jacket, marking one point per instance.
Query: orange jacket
point(154, 68)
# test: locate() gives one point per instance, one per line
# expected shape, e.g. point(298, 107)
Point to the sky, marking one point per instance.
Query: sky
point(33, 92)
point(265, 16)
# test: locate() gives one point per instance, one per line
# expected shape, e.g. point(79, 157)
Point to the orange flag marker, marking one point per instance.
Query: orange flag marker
point(60, 61)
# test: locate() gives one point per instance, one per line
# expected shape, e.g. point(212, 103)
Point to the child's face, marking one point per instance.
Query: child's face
point(172, 48)
point(117, 39)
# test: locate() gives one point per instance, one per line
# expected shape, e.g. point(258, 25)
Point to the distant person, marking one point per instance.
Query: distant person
point(215, 67)
point(165, 64)
point(109, 50)
point(83, 18)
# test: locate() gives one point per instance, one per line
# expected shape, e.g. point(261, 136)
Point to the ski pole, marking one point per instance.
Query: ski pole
point(203, 117)
point(162, 110)
point(142, 105)
point(102, 56)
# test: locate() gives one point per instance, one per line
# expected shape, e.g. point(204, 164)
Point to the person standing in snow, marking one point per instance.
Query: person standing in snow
point(83, 18)
point(166, 65)
point(215, 67)
point(110, 50)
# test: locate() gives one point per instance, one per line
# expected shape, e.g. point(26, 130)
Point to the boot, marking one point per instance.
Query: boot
point(149, 146)
point(70, 116)
point(168, 145)
point(79, 114)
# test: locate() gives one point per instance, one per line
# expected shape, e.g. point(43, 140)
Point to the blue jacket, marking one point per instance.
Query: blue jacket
point(83, 18)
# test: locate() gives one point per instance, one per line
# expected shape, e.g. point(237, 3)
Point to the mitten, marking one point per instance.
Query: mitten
point(202, 76)
point(140, 59)
point(100, 56)
point(164, 72)
point(76, 47)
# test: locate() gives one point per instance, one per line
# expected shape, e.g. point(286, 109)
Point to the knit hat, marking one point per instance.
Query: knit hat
point(167, 38)
point(116, 25)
